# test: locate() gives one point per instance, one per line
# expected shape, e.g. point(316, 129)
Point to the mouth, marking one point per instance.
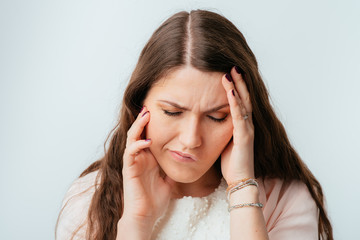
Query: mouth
point(183, 157)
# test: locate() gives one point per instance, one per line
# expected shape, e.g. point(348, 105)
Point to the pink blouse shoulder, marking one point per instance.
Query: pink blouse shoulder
point(289, 210)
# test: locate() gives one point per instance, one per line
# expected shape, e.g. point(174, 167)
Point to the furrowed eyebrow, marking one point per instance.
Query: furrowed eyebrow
point(186, 109)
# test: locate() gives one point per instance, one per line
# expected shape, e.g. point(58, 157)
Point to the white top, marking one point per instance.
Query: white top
point(289, 212)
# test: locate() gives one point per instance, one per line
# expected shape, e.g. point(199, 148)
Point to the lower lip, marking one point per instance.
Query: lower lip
point(180, 158)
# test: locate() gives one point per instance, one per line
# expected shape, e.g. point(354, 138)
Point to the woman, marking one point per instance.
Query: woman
point(198, 152)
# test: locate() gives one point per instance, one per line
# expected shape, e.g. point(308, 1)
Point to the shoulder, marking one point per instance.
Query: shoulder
point(82, 185)
point(275, 190)
point(288, 208)
point(75, 206)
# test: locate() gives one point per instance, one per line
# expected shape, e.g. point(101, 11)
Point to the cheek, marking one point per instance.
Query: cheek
point(157, 128)
point(221, 137)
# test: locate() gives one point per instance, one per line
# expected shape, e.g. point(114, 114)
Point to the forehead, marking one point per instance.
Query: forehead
point(188, 83)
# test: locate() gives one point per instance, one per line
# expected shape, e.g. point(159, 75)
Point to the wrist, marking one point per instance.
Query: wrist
point(134, 228)
point(238, 176)
point(248, 194)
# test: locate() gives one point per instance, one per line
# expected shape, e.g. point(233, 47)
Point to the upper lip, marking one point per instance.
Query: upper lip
point(188, 155)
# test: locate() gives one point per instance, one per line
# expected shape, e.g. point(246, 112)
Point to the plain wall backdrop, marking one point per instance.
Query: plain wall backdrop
point(64, 66)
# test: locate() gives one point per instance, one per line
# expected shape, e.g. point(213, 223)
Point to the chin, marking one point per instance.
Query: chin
point(182, 175)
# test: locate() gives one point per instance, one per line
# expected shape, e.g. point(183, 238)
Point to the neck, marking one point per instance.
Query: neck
point(202, 187)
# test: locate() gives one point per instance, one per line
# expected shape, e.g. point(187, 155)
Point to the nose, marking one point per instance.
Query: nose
point(190, 133)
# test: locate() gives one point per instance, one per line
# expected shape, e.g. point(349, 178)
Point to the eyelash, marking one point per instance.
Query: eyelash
point(173, 114)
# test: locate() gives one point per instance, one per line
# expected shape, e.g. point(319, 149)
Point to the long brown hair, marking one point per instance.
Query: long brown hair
point(209, 42)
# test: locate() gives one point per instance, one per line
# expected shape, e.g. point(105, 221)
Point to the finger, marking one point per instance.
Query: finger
point(227, 82)
point(237, 114)
point(134, 133)
point(240, 85)
point(170, 181)
point(134, 149)
point(238, 106)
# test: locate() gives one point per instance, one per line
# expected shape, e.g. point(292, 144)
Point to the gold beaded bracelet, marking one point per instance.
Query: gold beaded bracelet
point(231, 185)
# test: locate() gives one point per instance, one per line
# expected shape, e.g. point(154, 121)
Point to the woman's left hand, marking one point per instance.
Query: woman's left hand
point(237, 159)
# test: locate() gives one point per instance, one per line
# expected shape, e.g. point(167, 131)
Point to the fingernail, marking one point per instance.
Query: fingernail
point(238, 70)
point(228, 77)
point(141, 109)
point(233, 92)
point(144, 113)
point(148, 140)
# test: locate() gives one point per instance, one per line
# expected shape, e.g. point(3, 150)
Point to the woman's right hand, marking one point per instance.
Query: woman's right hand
point(146, 192)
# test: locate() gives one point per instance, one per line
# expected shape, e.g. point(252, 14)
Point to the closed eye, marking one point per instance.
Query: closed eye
point(218, 119)
point(172, 113)
point(210, 117)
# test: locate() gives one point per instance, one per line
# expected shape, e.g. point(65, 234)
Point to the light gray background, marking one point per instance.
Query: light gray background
point(64, 65)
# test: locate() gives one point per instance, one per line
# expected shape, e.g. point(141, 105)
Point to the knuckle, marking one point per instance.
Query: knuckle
point(252, 135)
point(247, 138)
point(242, 106)
point(128, 133)
point(124, 170)
point(126, 152)
point(237, 116)
point(241, 77)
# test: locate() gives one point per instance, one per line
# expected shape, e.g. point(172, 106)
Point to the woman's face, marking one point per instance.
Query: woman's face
point(189, 114)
